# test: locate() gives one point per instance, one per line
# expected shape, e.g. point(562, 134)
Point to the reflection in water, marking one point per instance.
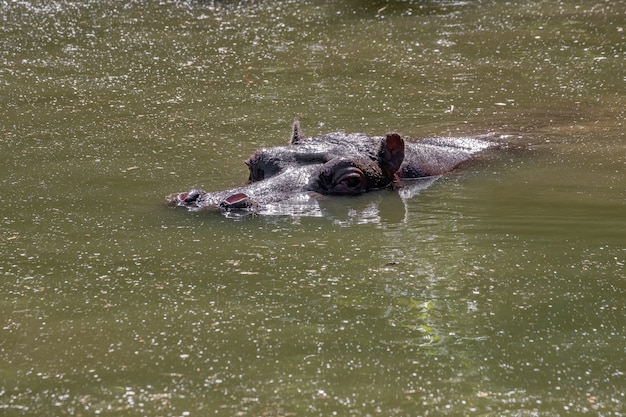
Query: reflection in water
point(381, 207)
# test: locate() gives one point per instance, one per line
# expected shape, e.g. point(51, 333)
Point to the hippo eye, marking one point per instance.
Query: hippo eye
point(348, 180)
point(351, 180)
point(340, 177)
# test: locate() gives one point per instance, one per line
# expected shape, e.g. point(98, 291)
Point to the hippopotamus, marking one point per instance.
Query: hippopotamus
point(335, 164)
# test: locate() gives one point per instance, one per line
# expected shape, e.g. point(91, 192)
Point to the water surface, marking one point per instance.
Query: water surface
point(498, 290)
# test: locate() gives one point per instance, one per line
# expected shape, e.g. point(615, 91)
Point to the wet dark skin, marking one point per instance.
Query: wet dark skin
point(335, 164)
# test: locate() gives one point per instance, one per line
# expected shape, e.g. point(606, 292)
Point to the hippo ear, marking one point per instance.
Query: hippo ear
point(391, 154)
point(296, 134)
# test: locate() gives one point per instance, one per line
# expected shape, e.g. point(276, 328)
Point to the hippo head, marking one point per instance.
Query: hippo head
point(333, 164)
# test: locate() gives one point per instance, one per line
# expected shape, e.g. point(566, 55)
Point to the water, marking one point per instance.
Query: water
point(499, 290)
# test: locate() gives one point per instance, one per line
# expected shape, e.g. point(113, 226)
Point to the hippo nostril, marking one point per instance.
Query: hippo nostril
point(190, 197)
point(236, 201)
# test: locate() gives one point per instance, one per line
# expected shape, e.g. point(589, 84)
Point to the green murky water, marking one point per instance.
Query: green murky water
point(499, 290)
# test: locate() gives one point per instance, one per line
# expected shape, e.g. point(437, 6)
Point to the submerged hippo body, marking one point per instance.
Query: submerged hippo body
point(334, 164)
